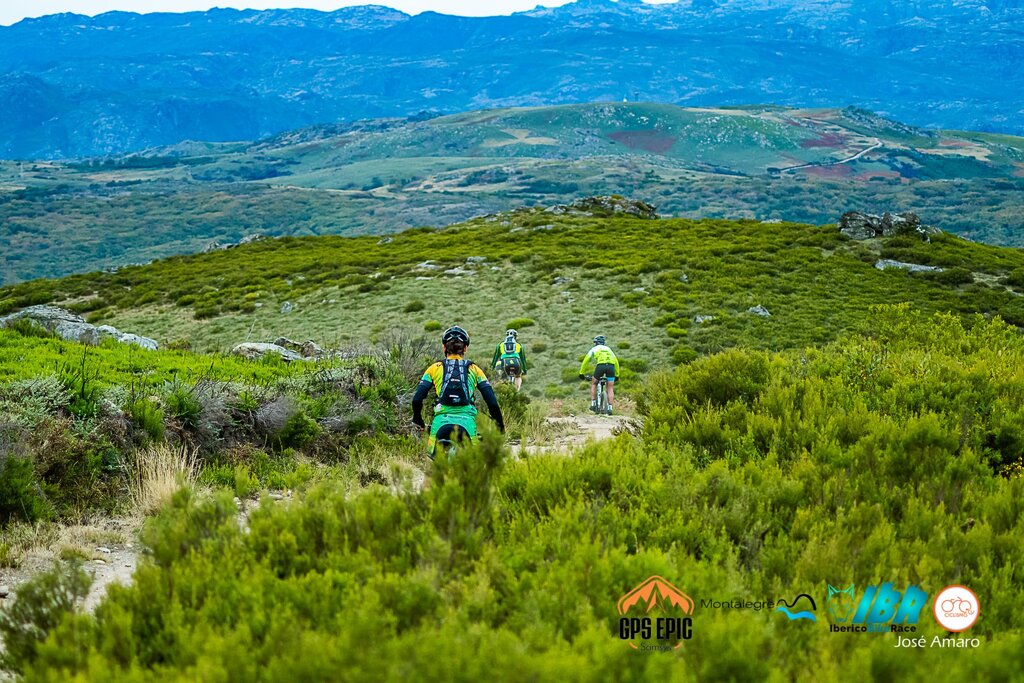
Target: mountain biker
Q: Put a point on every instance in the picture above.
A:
(455, 380)
(510, 358)
(605, 365)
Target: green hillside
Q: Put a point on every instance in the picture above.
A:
(380, 176)
(869, 423)
(641, 282)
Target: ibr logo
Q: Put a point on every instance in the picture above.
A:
(881, 608)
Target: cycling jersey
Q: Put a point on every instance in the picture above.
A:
(475, 377)
(599, 355)
(500, 354)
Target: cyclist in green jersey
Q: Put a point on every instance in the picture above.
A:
(510, 358)
(455, 380)
(606, 365)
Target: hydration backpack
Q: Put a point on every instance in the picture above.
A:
(455, 391)
(510, 346)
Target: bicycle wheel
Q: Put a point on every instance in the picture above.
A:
(602, 398)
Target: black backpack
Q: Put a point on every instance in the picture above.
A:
(455, 391)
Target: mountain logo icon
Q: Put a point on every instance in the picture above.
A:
(654, 594)
(655, 616)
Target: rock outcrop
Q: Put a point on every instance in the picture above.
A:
(883, 264)
(607, 205)
(257, 350)
(863, 226)
(73, 327)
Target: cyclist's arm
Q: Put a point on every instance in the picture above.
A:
(615, 361)
(487, 391)
(417, 402)
(586, 362)
(522, 357)
(497, 355)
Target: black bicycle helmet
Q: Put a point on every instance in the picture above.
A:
(599, 340)
(455, 333)
(511, 333)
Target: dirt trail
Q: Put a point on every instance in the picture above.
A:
(579, 429)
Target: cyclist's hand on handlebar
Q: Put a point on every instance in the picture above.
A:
(583, 377)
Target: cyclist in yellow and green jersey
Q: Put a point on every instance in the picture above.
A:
(606, 365)
(455, 380)
(510, 358)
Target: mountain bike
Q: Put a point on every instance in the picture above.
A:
(602, 395)
(447, 440)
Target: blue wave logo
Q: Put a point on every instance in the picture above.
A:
(805, 614)
(799, 615)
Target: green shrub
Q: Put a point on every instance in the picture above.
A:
(432, 326)
(519, 323)
(538, 347)
(147, 415)
(21, 494)
(184, 406)
(297, 432)
(83, 387)
(414, 306)
(42, 602)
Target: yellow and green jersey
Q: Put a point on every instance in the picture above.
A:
(475, 377)
(500, 353)
(599, 355)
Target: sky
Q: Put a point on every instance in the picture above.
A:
(12, 11)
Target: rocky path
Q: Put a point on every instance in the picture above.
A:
(577, 430)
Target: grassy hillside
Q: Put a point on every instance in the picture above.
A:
(641, 282)
(379, 176)
(867, 425)
(758, 476)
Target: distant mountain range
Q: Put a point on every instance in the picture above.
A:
(73, 86)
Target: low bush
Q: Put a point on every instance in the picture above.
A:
(41, 604)
(519, 323)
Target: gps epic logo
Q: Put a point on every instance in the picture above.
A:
(655, 616)
(881, 608)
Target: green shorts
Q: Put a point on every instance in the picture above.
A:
(446, 426)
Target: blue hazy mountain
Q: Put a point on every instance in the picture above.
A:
(71, 85)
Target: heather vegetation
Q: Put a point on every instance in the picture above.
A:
(880, 457)
(802, 418)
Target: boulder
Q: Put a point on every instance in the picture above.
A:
(883, 264)
(759, 310)
(862, 226)
(72, 327)
(287, 307)
(306, 349)
(257, 350)
(703, 318)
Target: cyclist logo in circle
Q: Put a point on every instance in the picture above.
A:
(956, 608)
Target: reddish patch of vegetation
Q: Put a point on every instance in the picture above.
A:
(653, 141)
(959, 144)
(830, 140)
(870, 175)
(837, 171)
